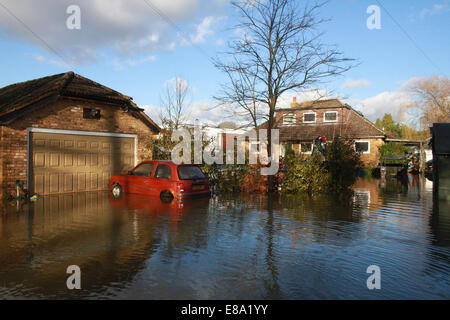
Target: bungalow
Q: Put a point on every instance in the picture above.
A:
(66, 133)
(303, 122)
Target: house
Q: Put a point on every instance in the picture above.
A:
(66, 133)
(302, 123)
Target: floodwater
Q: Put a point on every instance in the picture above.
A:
(230, 247)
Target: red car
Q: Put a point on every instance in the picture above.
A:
(161, 178)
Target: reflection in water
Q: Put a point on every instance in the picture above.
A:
(230, 247)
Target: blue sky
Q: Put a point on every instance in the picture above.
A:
(127, 46)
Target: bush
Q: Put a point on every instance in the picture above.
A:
(392, 149)
(226, 177)
(313, 176)
(343, 163)
(308, 176)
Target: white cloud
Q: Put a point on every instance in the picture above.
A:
(435, 9)
(153, 112)
(385, 102)
(202, 110)
(200, 32)
(121, 64)
(129, 27)
(44, 60)
(204, 29)
(351, 84)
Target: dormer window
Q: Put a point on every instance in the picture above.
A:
(309, 117)
(289, 119)
(330, 116)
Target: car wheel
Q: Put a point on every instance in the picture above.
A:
(116, 191)
(166, 196)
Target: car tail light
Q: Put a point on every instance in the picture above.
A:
(180, 187)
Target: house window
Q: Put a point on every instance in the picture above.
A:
(330, 116)
(91, 113)
(309, 117)
(362, 147)
(289, 119)
(306, 148)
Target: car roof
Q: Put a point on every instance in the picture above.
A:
(170, 162)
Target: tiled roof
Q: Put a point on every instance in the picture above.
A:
(19, 96)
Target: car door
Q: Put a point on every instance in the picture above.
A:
(140, 180)
(162, 177)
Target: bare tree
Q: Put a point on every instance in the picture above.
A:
(175, 101)
(430, 100)
(240, 93)
(279, 51)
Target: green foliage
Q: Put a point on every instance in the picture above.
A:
(343, 163)
(389, 125)
(392, 149)
(289, 151)
(226, 178)
(162, 147)
(313, 176)
(308, 176)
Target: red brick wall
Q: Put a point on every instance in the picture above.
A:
(66, 114)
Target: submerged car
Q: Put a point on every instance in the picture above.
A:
(161, 178)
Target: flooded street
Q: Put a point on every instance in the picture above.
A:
(241, 247)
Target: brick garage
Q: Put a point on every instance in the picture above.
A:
(68, 111)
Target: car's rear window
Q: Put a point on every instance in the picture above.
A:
(190, 173)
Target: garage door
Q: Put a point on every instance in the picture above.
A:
(62, 163)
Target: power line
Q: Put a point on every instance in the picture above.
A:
(410, 38)
(37, 36)
(174, 25)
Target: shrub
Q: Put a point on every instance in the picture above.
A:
(343, 163)
(314, 176)
(226, 177)
(301, 175)
(392, 149)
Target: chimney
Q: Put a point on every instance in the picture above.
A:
(294, 102)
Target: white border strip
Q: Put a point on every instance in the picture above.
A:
(83, 133)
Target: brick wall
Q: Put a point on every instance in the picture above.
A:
(66, 114)
(372, 159)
